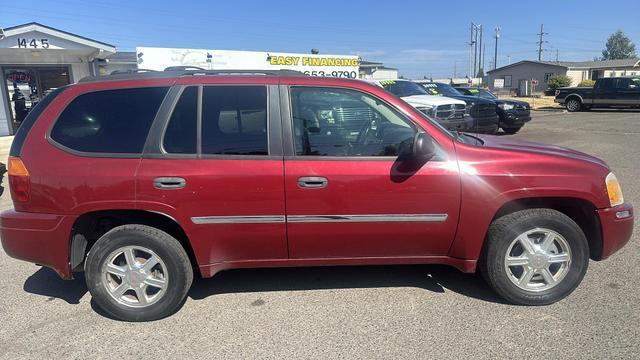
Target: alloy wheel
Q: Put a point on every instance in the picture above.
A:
(538, 260)
(135, 276)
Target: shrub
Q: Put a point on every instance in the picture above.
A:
(558, 81)
(587, 83)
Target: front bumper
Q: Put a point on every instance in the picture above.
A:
(617, 227)
(456, 124)
(515, 118)
(38, 238)
(484, 124)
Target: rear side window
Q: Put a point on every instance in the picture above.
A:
(182, 131)
(110, 121)
(234, 120)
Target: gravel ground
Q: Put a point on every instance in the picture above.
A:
(355, 312)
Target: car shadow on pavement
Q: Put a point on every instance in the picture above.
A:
(433, 278)
(47, 283)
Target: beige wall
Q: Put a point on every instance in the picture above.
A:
(577, 76)
(526, 71)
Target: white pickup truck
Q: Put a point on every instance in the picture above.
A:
(450, 113)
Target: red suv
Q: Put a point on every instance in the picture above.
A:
(140, 180)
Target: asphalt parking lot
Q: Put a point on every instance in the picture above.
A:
(355, 312)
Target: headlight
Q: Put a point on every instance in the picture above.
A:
(505, 106)
(614, 190)
(427, 110)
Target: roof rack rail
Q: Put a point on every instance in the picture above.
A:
(183, 68)
(131, 71)
(151, 74)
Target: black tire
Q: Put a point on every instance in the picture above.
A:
(167, 248)
(511, 131)
(573, 104)
(506, 229)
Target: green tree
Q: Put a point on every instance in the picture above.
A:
(619, 46)
(558, 81)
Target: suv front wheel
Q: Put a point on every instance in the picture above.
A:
(138, 273)
(534, 256)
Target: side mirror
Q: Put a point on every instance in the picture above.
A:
(423, 146)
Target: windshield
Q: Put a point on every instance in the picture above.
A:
(440, 89)
(403, 88)
(481, 93)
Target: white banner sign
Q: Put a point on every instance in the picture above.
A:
(498, 83)
(316, 65)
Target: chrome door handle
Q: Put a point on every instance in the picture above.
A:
(169, 183)
(313, 182)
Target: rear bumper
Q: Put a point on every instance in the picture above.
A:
(617, 227)
(38, 238)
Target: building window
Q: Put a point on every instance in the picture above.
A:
(507, 81)
(548, 76)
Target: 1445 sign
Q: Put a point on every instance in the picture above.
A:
(24, 43)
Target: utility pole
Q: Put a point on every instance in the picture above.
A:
(557, 56)
(475, 52)
(541, 42)
(455, 68)
(471, 51)
(481, 58)
(495, 54)
(484, 56)
(509, 59)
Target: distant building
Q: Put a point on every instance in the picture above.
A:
(513, 76)
(376, 71)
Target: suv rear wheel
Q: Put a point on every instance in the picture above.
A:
(534, 256)
(138, 273)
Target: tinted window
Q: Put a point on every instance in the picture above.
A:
(234, 120)
(180, 136)
(340, 122)
(112, 121)
(628, 83)
(606, 84)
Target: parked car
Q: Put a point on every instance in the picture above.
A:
(482, 112)
(513, 114)
(142, 180)
(450, 113)
(607, 92)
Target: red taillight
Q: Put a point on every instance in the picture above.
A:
(18, 180)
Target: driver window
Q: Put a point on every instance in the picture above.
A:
(342, 122)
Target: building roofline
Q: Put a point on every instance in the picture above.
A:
(7, 32)
(526, 61)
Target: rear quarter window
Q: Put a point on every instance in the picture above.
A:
(109, 121)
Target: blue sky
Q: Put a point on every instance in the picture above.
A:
(421, 38)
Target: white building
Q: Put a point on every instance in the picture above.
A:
(35, 59)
